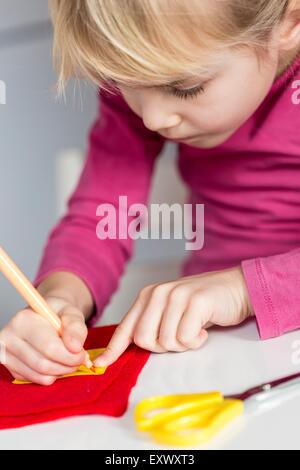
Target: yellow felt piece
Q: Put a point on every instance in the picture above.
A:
(82, 370)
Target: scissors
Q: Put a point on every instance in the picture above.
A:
(194, 419)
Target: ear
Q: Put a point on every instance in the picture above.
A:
(289, 30)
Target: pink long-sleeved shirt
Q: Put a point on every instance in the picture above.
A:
(250, 186)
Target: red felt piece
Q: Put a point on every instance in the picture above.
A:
(108, 394)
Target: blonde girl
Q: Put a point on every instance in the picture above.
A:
(218, 77)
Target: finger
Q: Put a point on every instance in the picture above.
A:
(190, 329)
(20, 369)
(18, 377)
(176, 306)
(148, 326)
(123, 335)
(74, 330)
(36, 361)
(43, 338)
(119, 342)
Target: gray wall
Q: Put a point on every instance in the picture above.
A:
(33, 128)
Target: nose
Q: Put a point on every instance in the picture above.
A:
(156, 119)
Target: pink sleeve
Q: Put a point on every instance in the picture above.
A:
(274, 288)
(120, 161)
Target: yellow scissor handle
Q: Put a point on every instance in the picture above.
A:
(156, 411)
(199, 427)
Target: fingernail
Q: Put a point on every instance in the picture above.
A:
(88, 362)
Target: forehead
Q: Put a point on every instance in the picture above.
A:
(162, 42)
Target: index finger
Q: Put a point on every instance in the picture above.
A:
(122, 336)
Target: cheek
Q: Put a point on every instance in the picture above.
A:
(214, 117)
(232, 101)
(247, 97)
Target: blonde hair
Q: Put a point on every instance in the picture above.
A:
(138, 42)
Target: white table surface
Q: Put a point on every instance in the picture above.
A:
(233, 360)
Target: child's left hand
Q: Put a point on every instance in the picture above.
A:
(173, 316)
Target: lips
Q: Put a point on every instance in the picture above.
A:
(180, 138)
(183, 139)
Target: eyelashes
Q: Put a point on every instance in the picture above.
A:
(186, 94)
(181, 93)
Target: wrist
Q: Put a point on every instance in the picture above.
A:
(247, 305)
(69, 288)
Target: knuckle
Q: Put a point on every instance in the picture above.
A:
(184, 338)
(151, 286)
(144, 292)
(18, 320)
(159, 290)
(178, 293)
(198, 300)
(42, 366)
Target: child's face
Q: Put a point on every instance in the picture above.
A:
(210, 116)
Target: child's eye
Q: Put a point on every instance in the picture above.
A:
(186, 93)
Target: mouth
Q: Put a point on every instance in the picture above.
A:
(179, 139)
(186, 139)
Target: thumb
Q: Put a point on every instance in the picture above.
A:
(74, 330)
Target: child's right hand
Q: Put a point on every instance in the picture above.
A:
(33, 350)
